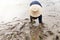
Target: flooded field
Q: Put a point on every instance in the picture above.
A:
(13, 10)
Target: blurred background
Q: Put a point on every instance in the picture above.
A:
(18, 8)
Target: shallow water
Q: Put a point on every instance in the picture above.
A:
(12, 9)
